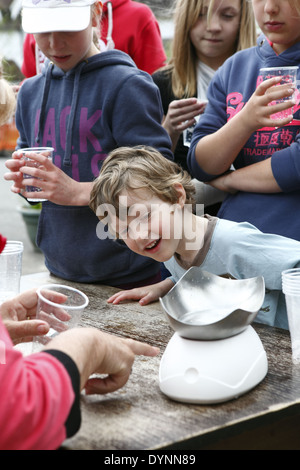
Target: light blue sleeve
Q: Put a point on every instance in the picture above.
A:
(175, 270)
(244, 252)
(241, 250)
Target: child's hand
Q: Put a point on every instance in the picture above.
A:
(258, 111)
(145, 295)
(54, 184)
(181, 115)
(14, 164)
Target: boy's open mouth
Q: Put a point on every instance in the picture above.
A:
(152, 244)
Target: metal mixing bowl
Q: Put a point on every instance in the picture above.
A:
(208, 307)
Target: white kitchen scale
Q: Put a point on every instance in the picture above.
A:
(196, 371)
(215, 355)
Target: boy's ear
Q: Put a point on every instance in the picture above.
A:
(180, 194)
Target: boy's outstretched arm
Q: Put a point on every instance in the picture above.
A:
(145, 295)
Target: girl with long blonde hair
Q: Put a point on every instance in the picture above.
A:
(206, 33)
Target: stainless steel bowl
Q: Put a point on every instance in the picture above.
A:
(208, 307)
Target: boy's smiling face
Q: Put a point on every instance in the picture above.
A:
(148, 225)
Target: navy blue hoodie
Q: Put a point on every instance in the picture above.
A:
(101, 104)
(229, 90)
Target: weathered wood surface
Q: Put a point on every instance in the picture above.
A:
(139, 416)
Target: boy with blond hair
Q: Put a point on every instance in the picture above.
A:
(147, 201)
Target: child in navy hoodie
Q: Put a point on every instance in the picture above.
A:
(126, 25)
(237, 128)
(84, 104)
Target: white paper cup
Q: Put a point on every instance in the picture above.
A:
(10, 270)
(291, 289)
(48, 152)
(59, 316)
(289, 75)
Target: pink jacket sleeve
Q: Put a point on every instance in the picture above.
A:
(36, 397)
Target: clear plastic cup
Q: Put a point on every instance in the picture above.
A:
(288, 75)
(48, 152)
(60, 316)
(10, 270)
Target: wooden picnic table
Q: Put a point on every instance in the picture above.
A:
(140, 417)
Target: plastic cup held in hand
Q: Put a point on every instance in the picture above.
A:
(61, 307)
(288, 75)
(47, 152)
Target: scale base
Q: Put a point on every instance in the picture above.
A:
(207, 372)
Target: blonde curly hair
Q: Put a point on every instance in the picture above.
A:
(7, 100)
(140, 167)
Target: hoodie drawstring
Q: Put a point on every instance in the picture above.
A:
(109, 40)
(44, 101)
(67, 157)
(69, 134)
